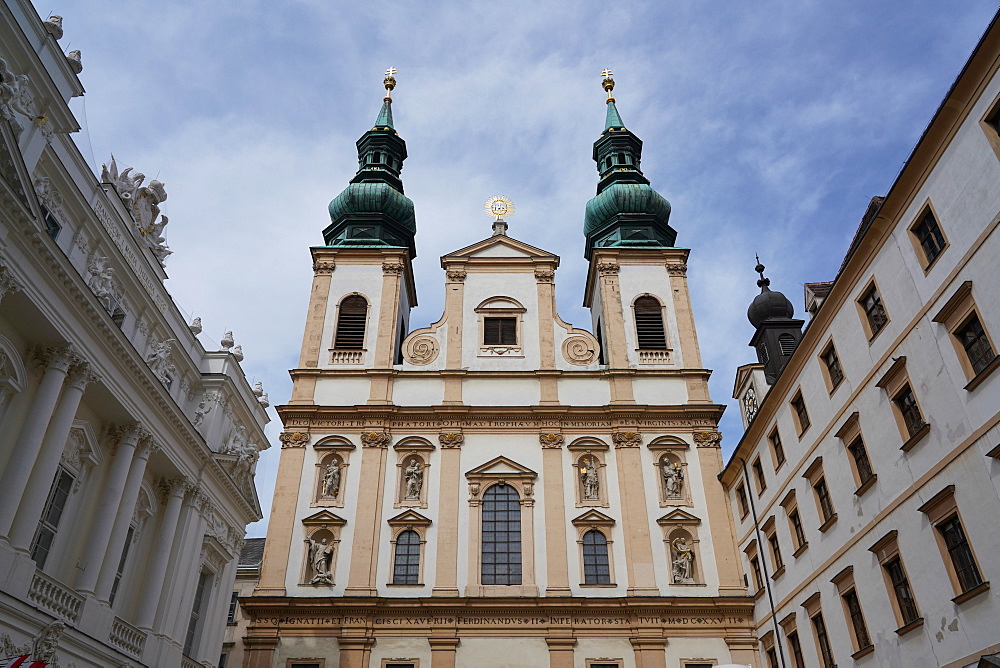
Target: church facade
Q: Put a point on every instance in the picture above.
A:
(499, 488)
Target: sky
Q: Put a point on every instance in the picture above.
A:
(768, 125)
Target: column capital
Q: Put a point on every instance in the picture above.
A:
(80, 375)
(7, 281)
(174, 486)
(451, 439)
(626, 439)
(545, 274)
(129, 433)
(676, 269)
(148, 447)
(551, 440)
(708, 439)
(375, 439)
(324, 267)
(60, 357)
(608, 268)
(392, 268)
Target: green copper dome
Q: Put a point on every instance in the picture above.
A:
(375, 197)
(624, 198)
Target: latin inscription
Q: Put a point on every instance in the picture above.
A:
(499, 424)
(504, 621)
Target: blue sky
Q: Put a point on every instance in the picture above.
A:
(768, 125)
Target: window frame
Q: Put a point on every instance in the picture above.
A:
(335, 348)
(941, 509)
(850, 435)
(789, 625)
(742, 500)
(758, 473)
(956, 313)
(502, 307)
(44, 524)
(800, 413)
(821, 494)
(829, 360)
(886, 550)
(660, 311)
(777, 448)
(896, 382)
(857, 627)
(990, 124)
(770, 531)
(868, 322)
(797, 530)
(927, 210)
(408, 520)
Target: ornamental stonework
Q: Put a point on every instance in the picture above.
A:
(627, 439)
(580, 349)
(421, 350)
(551, 440)
(456, 275)
(677, 269)
(608, 268)
(451, 439)
(324, 267)
(293, 439)
(392, 268)
(375, 439)
(545, 275)
(708, 439)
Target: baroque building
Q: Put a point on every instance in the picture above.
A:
(499, 487)
(127, 450)
(864, 488)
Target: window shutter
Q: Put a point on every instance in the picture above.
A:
(649, 324)
(351, 324)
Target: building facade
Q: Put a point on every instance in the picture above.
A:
(499, 488)
(864, 489)
(127, 450)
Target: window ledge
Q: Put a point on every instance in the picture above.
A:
(803, 432)
(972, 593)
(833, 388)
(757, 594)
(871, 339)
(981, 376)
(916, 438)
(866, 485)
(829, 523)
(688, 584)
(802, 548)
(778, 573)
(864, 651)
(592, 586)
(393, 584)
(915, 624)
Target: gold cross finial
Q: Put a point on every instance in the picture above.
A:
(389, 82)
(608, 83)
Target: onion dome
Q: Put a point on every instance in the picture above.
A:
(372, 210)
(768, 305)
(626, 212)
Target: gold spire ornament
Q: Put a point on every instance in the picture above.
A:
(389, 82)
(608, 83)
(499, 206)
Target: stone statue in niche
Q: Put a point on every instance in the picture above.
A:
(320, 556)
(673, 478)
(414, 479)
(682, 561)
(591, 483)
(331, 479)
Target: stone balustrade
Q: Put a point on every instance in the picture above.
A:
(189, 663)
(656, 357)
(127, 638)
(55, 597)
(347, 356)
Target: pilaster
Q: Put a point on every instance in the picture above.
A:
(368, 526)
(556, 558)
(631, 484)
(709, 444)
(283, 511)
(446, 572)
(614, 327)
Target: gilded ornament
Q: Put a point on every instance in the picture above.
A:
(627, 439)
(708, 439)
(293, 439)
(375, 439)
(451, 439)
(551, 440)
(499, 206)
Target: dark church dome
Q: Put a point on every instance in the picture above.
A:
(768, 304)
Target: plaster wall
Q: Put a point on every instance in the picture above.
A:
(653, 280)
(347, 279)
(342, 391)
(420, 391)
(583, 391)
(480, 286)
(498, 391)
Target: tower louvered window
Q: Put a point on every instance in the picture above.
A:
(649, 324)
(351, 324)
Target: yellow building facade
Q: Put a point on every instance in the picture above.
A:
(499, 488)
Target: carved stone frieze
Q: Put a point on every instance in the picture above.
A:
(421, 350)
(608, 268)
(293, 439)
(708, 439)
(160, 361)
(678, 269)
(626, 439)
(451, 439)
(143, 203)
(375, 439)
(551, 440)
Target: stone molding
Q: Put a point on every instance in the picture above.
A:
(293, 439)
(551, 440)
(608, 268)
(708, 439)
(626, 439)
(375, 439)
(421, 350)
(678, 269)
(451, 439)
(324, 267)
(456, 275)
(545, 275)
(392, 268)
(7, 281)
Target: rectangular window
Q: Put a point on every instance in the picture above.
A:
(853, 606)
(796, 521)
(962, 559)
(834, 373)
(758, 578)
(823, 642)
(196, 613)
(928, 235)
(795, 648)
(772, 658)
(52, 226)
(758, 474)
(234, 604)
(500, 331)
(777, 448)
(772, 540)
(801, 415)
(120, 573)
(741, 498)
(51, 514)
(823, 499)
(906, 404)
(875, 315)
(860, 456)
(977, 346)
(901, 588)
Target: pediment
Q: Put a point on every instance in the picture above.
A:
(743, 376)
(500, 246)
(324, 518)
(409, 518)
(501, 467)
(678, 516)
(593, 517)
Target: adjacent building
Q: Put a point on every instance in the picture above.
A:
(127, 450)
(501, 486)
(865, 488)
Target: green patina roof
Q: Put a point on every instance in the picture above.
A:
(627, 198)
(374, 197)
(384, 119)
(614, 119)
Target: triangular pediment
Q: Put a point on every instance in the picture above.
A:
(593, 517)
(678, 516)
(501, 467)
(323, 518)
(500, 246)
(743, 376)
(409, 518)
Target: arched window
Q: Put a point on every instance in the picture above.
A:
(595, 558)
(649, 324)
(501, 536)
(406, 568)
(351, 324)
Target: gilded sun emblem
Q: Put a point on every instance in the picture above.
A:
(499, 206)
